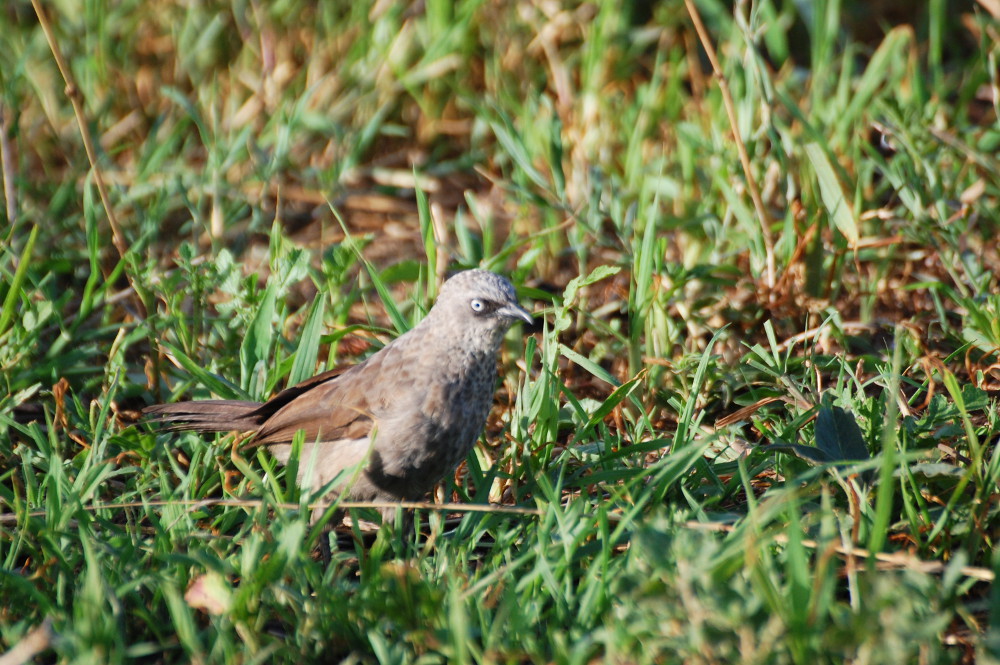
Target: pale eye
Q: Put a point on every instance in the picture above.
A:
(477, 305)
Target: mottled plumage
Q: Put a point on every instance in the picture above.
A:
(419, 403)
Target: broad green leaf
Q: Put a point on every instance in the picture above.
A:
(832, 193)
(588, 365)
(14, 293)
(304, 365)
(838, 435)
(256, 345)
(514, 146)
(215, 383)
(426, 232)
(563, 317)
(614, 399)
(805, 453)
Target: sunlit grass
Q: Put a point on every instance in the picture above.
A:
(714, 469)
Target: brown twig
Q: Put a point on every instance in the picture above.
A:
(13, 518)
(7, 160)
(727, 99)
(76, 99)
(885, 559)
(37, 640)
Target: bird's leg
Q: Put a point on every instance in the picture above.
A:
(328, 529)
(402, 520)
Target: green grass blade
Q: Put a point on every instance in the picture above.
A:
(307, 354)
(10, 302)
(832, 193)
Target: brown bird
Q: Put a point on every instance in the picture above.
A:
(409, 413)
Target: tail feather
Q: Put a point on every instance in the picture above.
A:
(209, 415)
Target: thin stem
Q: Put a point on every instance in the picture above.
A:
(727, 99)
(76, 99)
(7, 160)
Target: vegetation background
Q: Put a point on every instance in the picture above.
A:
(758, 425)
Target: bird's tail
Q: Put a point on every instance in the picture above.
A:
(208, 415)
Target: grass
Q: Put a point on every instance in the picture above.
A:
(713, 462)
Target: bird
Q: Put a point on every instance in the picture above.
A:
(390, 428)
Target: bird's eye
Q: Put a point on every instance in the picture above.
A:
(477, 305)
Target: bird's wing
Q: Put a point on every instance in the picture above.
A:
(273, 405)
(336, 405)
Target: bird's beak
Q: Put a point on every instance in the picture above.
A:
(514, 311)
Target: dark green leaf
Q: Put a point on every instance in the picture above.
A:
(838, 435)
(806, 453)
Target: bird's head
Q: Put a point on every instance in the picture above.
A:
(479, 303)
